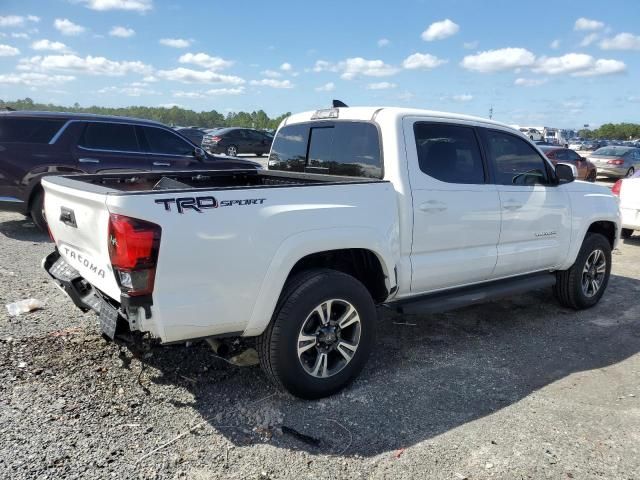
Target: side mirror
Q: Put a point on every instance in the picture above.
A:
(566, 172)
(199, 153)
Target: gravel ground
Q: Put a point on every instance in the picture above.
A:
(513, 389)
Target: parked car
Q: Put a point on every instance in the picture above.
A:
(616, 162)
(408, 212)
(233, 141)
(576, 145)
(37, 144)
(193, 134)
(586, 169)
(628, 190)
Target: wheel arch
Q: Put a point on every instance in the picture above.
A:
(355, 251)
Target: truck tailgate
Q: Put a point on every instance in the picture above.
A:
(79, 223)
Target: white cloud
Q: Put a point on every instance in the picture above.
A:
(210, 92)
(530, 82)
(323, 66)
(578, 65)
(422, 61)
(149, 78)
(187, 75)
(464, 97)
(270, 82)
(122, 32)
(130, 5)
(498, 60)
(470, 45)
(603, 66)
(586, 24)
(286, 67)
(405, 96)
(22, 35)
(354, 67)
(440, 30)
(555, 44)
(67, 27)
(133, 90)
(8, 51)
(90, 65)
(50, 46)
(205, 61)
(622, 41)
(32, 79)
(383, 42)
(175, 42)
(381, 86)
(271, 73)
(17, 20)
(589, 39)
(327, 87)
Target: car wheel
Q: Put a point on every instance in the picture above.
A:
(37, 210)
(592, 176)
(582, 285)
(626, 233)
(320, 335)
(630, 172)
(232, 150)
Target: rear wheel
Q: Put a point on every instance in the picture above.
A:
(626, 233)
(582, 285)
(592, 176)
(321, 334)
(37, 210)
(232, 150)
(630, 172)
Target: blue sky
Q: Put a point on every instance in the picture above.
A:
(560, 63)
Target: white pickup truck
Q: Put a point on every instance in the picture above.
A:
(414, 210)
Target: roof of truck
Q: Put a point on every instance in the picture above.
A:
(367, 113)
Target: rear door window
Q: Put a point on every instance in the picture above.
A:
(449, 153)
(333, 148)
(120, 137)
(31, 130)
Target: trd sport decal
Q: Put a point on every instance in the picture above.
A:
(199, 204)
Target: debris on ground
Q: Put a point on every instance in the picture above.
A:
(24, 306)
(248, 358)
(308, 439)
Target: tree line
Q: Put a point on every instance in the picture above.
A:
(169, 116)
(613, 131)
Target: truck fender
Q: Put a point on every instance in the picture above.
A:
(298, 246)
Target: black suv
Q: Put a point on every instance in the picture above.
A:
(36, 144)
(232, 141)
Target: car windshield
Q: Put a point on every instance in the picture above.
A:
(611, 151)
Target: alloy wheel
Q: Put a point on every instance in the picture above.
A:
(593, 273)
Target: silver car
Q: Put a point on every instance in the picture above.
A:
(616, 162)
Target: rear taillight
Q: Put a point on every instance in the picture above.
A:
(616, 188)
(215, 139)
(133, 250)
(617, 161)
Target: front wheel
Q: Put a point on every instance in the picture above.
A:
(321, 334)
(37, 211)
(582, 285)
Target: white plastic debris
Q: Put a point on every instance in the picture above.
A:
(24, 306)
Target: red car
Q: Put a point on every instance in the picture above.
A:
(586, 170)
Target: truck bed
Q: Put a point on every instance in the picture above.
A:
(168, 182)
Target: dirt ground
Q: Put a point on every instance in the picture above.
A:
(520, 388)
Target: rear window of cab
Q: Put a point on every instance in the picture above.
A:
(328, 147)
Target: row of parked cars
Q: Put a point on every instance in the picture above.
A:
(230, 141)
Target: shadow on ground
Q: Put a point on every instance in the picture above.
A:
(426, 376)
(23, 229)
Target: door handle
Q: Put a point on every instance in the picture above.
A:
(161, 164)
(511, 205)
(88, 160)
(432, 206)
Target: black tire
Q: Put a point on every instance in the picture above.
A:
(231, 151)
(278, 345)
(630, 172)
(569, 283)
(626, 233)
(37, 210)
